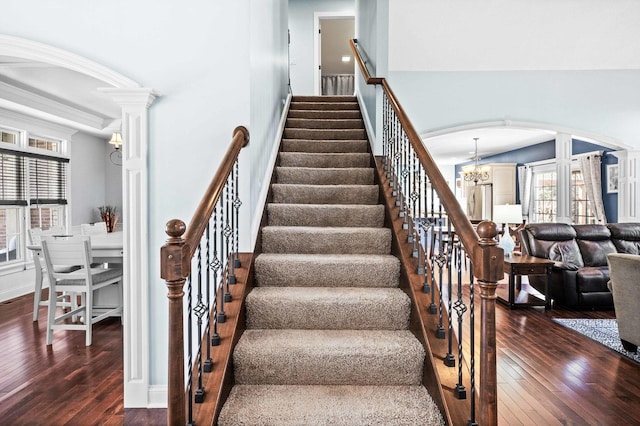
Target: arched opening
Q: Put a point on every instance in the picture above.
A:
(119, 103)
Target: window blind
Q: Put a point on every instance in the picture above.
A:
(12, 185)
(47, 180)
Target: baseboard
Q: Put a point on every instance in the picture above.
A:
(158, 395)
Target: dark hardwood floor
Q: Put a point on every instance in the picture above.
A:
(66, 383)
(547, 375)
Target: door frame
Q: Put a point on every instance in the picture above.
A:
(317, 49)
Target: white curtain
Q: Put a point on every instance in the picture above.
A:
(525, 176)
(590, 168)
(337, 84)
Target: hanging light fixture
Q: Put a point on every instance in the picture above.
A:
(475, 173)
(116, 154)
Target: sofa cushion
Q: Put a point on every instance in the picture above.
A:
(554, 241)
(625, 237)
(592, 279)
(595, 244)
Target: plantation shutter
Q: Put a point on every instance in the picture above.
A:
(12, 175)
(47, 180)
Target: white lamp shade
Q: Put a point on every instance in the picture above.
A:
(507, 213)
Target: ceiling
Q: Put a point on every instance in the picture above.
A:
(458, 146)
(58, 95)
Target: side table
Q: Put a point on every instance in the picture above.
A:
(517, 266)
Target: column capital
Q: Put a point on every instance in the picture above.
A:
(131, 97)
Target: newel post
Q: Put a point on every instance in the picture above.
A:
(490, 259)
(174, 268)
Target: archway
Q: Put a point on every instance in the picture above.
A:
(133, 101)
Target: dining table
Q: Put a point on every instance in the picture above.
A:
(105, 248)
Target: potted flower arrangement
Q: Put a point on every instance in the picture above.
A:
(109, 217)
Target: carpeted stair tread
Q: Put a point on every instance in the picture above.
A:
(338, 134)
(324, 98)
(325, 194)
(350, 215)
(330, 405)
(328, 308)
(315, 114)
(318, 160)
(326, 240)
(327, 270)
(325, 176)
(324, 123)
(328, 357)
(304, 145)
(333, 106)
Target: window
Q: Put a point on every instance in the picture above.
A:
(581, 212)
(545, 196)
(9, 234)
(48, 144)
(9, 136)
(29, 181)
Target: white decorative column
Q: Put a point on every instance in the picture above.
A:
(135, 103)
(628, 185)
(563, 178)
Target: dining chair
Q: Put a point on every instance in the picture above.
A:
(93, 229)
(84, 281)
(35, 239)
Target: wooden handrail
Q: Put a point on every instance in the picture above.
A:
(205, 208)
(482, 248)
(175, 267)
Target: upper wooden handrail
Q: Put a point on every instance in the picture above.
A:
(204, 211)
(459, 219)
(363, 66)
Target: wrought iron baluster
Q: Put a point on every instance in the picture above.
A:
(433, 309)
(200, 310)
(208, 363)
(472, 349)
(236, 205)
(222, 316)
(449, 359)
(460, 309)
(227, 231)
(215, 267)
(189, 377)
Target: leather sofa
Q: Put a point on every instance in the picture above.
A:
(580, 274)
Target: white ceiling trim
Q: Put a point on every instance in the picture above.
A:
(43, 104)
(31, 50)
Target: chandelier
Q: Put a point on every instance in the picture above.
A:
(475, 173)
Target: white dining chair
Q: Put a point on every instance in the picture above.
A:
(84, 281)
(94, 229)
(35, 239)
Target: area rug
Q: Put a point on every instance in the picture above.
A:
(603, 331)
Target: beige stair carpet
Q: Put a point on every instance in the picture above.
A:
(327, 339)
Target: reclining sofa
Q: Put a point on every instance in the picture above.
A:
(580, 274)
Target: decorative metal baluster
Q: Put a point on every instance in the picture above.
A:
(200, 310)
(208, 363)
(414, 196)
(215, 267)
(386, 137)
(222, 316)
(433, 309)
(236, 206)
(227, 231)
(460, 308)
(189, 352)
(232, 227)
(449, 359)
(405, 180)
(442, 261)
(472, 349)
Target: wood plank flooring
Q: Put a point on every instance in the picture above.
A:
(547, 375)
(66, 383)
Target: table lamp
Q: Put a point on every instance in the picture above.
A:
(507, 214)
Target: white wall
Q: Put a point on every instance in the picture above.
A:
(461, 35)
(87, 170)
(301, 24)
(573, 64)
(197, 55)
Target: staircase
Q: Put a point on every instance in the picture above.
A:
(327, 339)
